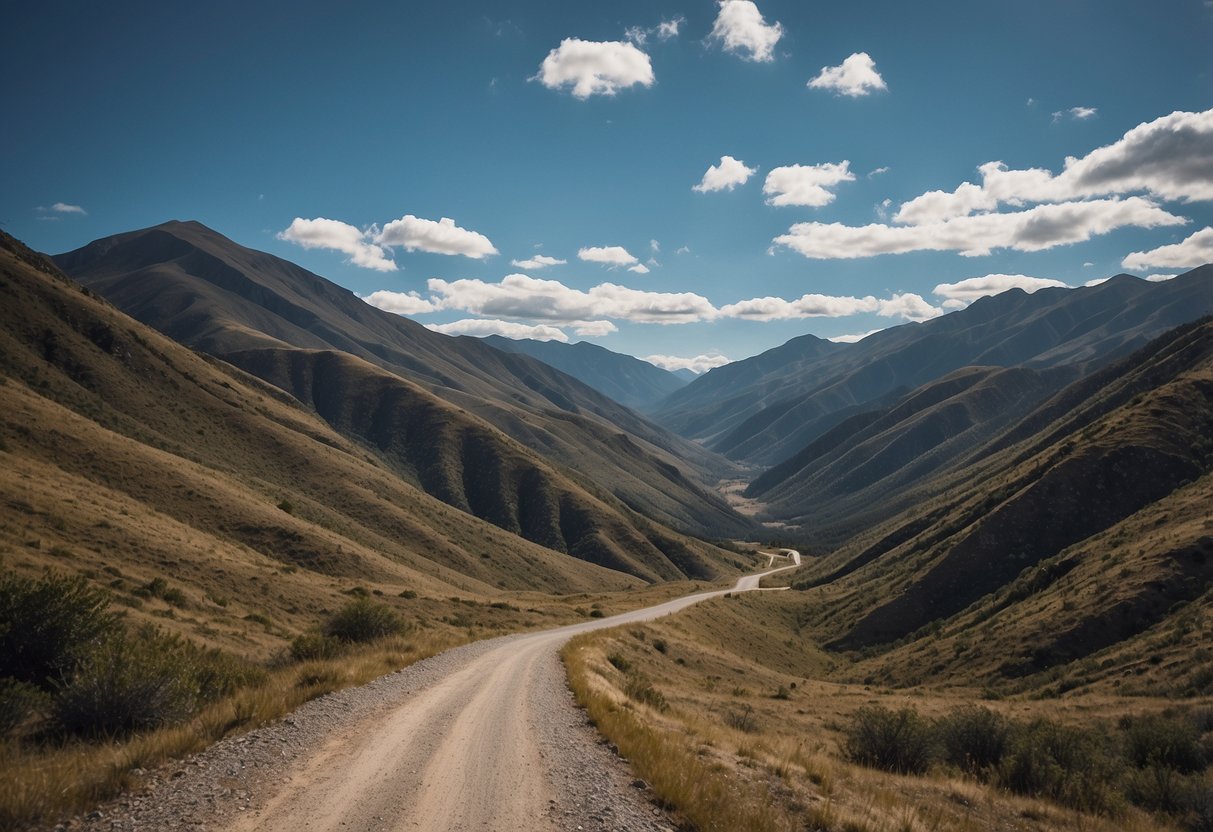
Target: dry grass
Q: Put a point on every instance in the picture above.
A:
(787, 770)
(42, 784)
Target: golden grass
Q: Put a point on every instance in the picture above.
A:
(47, 783)
(787, 771)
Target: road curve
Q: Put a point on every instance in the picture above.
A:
(462, 752)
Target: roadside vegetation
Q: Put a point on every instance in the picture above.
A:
(757, 729)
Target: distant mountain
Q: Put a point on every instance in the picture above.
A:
(686, 375)
(628, 380)
(770, 407)
(1082, 526)
(256, 310)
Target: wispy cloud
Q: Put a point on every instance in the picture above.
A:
(1075, 113)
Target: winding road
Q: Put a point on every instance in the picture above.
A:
(475, 748)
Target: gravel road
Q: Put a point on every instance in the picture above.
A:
(482, 737)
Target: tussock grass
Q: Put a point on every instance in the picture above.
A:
(45, 782)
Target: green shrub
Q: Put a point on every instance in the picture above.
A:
(364, 620)
(310, 646)
(47, 625)
(1160, 788)
(898, 741)
(641, 690)
(1158, 741)
(972, 738)
(19, 703)
(125, 685)
(1072, 766)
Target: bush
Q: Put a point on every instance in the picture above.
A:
(1158, 741)
(364, 620)
(1160, 788)
(619, 662)
(1069, 765)
(127, 684)
(310, 646)
(974, 739)
(641, 690)
(47, 625)
(897, 741)
(742, 720)
(19, 702)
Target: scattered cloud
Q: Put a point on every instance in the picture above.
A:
(806, 184)
(724, 177)
(1169, 158)
(400, 303)
(54, 212)
(480, 327)
(698, 364)
(528, 298)
(595, 68)
(683, 250)
(639, 268)
(873, 174)
(654, 246)
(539, 261)
(65, 208)
(1196, 250)
(665, 30)
(610, 255)
(741, 29)
(854, 77)
(1076, 113)
(972, 288)
(1096, 282)
(853, 338)
(339, 236)
(908, 305)
(882, 209)
(1087, 264)
(1035, 229)
(442, 237)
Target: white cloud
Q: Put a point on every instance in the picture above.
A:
(593, 329)
(1160, 278)
(970, 289)
(1076, 113)
(639, 268)
(539, 261)
(854, 77)
(595, 68)
(400, 303)
(698, 364)
(954, 303)
(876, 172)
(1169, 158)
(610, 255)
(442, 237)
(65, 208)
(667, 29)
(683, 250)
(724, 177)
(1088, 264)
(1096, 282)
(1035, 229)
(654, 246)
(528, 298)
(480, 327)
(1196, 250)
(741, 29)
(908, 305)
(854, 337)
(339, 236)
(806, 184)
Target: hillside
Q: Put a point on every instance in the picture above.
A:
(628, 380)
(211, 294)
(128, 454)
(770, 407)
(1083, 531)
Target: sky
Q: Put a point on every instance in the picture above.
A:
(688, 181)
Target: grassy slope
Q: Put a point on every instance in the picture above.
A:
(214, 295)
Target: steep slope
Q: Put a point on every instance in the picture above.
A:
(628, 380)
(876, 464)
(123, 450)
(767, 408)
(214, 295)
(1108, 484)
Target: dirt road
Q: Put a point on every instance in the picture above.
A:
(476, 748)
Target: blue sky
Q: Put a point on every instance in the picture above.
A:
(250, 116)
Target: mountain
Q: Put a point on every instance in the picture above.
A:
(629, 381)
(686, 375)
(128, 457)
(254, 310)
(1082, 528)
(770, 407)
